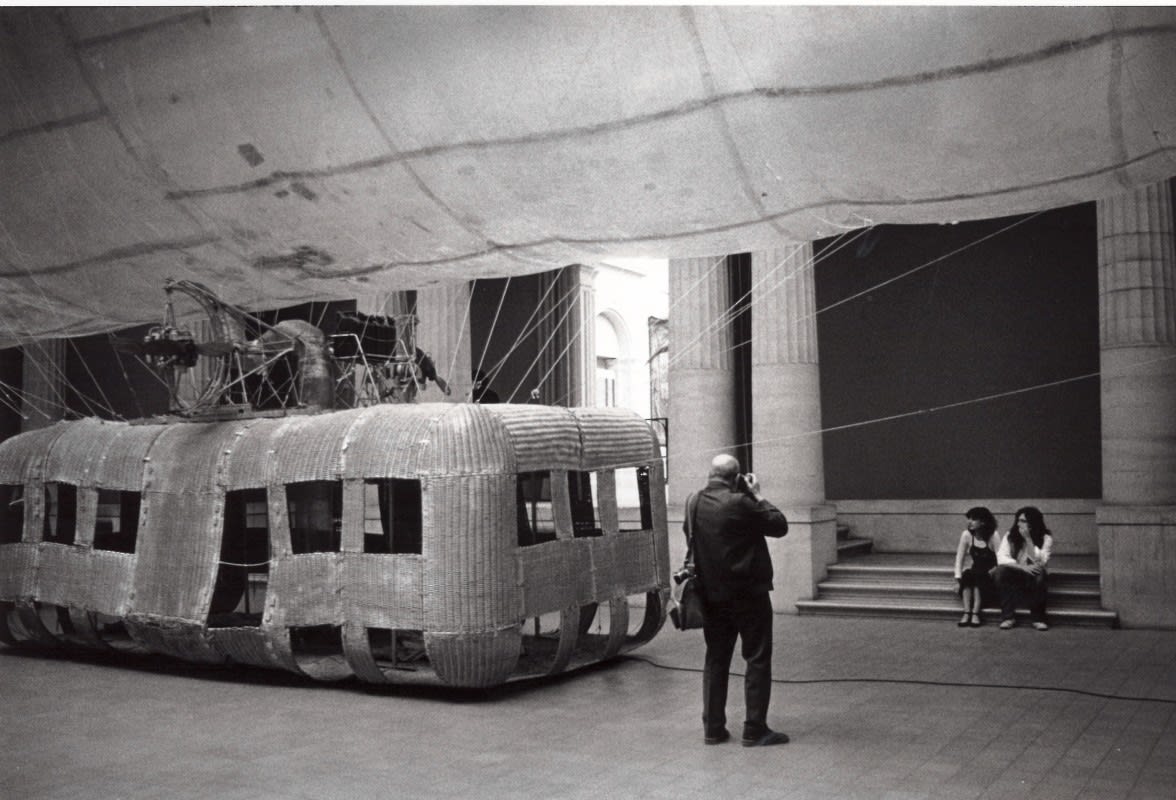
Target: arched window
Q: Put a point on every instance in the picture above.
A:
(609, 356)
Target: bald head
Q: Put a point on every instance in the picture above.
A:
(724, 467)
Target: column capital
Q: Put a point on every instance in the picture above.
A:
(783, 302)
(1137, 268)
(700, 331)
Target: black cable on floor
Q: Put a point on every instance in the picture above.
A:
(951, 684)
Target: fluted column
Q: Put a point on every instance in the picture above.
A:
(43, 384)
(567, 335)
(786, 418)
(1137, 317)
(443, 331)
(785, 378)
(701, 373)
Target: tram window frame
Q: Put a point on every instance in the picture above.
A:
(399, 523)
(301, 498)
(60, 527)
(12, 513)
(533, 496)
(117, 532)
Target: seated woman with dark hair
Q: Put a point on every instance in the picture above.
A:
(1020, 568)
(977, 548)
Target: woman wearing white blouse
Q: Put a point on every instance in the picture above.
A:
(1020, 572)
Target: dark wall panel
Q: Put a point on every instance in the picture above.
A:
(504, 342)
(10, 383)
(998, 309)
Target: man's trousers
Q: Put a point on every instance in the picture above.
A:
(750, 620)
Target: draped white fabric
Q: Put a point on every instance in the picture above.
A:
(285, 154)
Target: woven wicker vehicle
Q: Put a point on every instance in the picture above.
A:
(457, 544)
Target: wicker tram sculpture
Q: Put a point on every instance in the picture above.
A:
(456, 544)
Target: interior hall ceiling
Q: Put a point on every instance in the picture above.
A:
(283, 154)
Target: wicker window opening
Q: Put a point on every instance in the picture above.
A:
(641, 478)
(11, 513)
(315, 511)
(582, 500)
(116, 524)
(61, 513)
(397, 526)
(239, 592)
(535, 512)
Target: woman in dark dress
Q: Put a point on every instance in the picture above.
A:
(975, 556)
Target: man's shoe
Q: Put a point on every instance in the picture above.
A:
(717, 738)
(1040, 626)
(765, 739)
(1008, 623)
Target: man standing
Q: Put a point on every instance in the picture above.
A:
(727, 522)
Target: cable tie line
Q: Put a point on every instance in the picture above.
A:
(917, 682)
(534, 324)
(542, 348)
(735, 309)
(489, 337)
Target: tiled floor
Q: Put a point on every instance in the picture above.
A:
(899, 710)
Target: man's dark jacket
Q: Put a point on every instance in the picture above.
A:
(730, 555)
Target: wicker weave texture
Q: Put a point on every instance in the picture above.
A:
(243, 646)
(76, 453)
(23, 456)
(306, 590)
(177, 556)
(121, 464)
(252, 454)
(383, 591)
(18, 570)
(613, 437)
(469, 577)
(555, 575)
(542, 437)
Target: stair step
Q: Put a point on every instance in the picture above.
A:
(1059, 596)
(865, 583)
(1068, 616)
(922, 574)
(849, 547)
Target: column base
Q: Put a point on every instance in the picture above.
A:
(801, 559)
(1137, 561)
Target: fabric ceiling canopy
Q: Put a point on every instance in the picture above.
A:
(284, 154)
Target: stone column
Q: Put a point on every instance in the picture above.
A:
(567, 335)
(1137, 317)
(43, 384)
(701, 376)
(443, 331)
(786, 422)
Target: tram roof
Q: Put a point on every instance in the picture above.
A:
(409, 440)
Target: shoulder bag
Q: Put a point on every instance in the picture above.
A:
(686, 606)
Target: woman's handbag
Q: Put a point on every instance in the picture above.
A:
(686, 609)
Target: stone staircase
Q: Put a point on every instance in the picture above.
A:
(864, 583)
